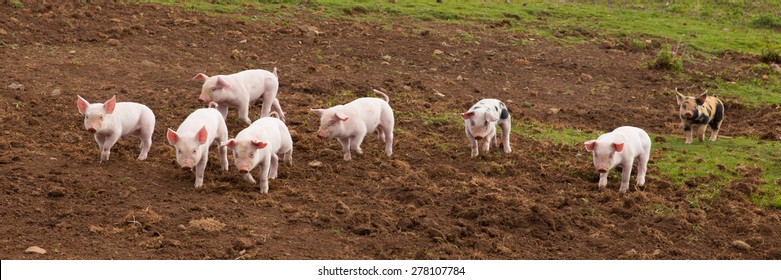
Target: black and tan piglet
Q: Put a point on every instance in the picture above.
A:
(698, 113)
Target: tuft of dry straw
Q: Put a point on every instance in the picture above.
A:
(207, 224)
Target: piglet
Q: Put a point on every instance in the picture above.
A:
(259, 144)
(480, 123)
(111, 120)
(193, 138)
(622, 147)
(240, 90)
(698, 113)
(349, 123)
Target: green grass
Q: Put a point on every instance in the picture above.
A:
(704, 168)
(667, 59)
(771, 54)
(709, 26)
(767, 21)
(16, 4)
(753, 92)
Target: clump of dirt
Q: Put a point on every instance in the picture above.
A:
(207, 225)
(142, 219)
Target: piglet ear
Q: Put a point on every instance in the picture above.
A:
(590, 145)
(318, 112)
(618, 146)
(230, 143)
(200, 77)
(110, 105)
(341, 116)
(679, 97)
(701, 99)
(82, 104)
(258, 144)
(202, 134)
(467, 115)
(221, 83)
(172, 137)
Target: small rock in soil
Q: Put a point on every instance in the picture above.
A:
(775, 67)
(742, 245)
(35, 250)
(56, 191)
(56, 92)
(242, 243)
(171, 243)
(315, 163)
(342, 208)
(16, 86)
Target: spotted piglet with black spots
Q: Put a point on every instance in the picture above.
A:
(699, 113)
(480, 123)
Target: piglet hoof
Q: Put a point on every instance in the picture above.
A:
(142, 157)
(508, 150)
(347, 157)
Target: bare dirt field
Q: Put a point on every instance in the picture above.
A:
(430, 200)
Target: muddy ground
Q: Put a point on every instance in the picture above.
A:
(429, 201)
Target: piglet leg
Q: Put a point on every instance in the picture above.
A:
(506, 127)
(625, 173)
(345, 147)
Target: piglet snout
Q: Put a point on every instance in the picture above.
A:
(92, 130)
(187, 168)
(688, 115)
(201, 100)
(602, 170)
(478, 137)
